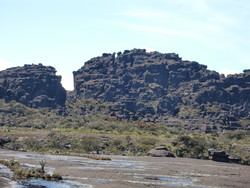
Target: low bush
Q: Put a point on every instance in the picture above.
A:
(238, 135)
(56, 177)
(192, 147)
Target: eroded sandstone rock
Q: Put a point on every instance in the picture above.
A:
(32, 85)
(156, 87)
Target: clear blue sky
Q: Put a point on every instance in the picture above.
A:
(67, 33)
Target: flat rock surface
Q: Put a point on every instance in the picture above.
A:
(123, 171)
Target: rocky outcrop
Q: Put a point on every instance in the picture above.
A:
(162, 88)
(221, 156)
(32, 85)
(161, 151)
(4, 140)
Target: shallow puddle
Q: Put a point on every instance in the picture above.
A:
(82, 179)
(163, 180)
(51, 184)
(169, 184)
(132, 170)
(169, 179)
(5, 171)
(111, 165)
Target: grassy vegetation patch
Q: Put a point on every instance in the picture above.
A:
(78, 131)
(25, 173)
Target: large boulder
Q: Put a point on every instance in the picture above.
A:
(32, 85)
(4, 140)
(161, 151)
(220, 156)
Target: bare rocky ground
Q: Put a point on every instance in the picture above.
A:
(126, 172)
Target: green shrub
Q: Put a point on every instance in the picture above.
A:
(56, 176)
(148, 141)
(31, 144)
(90, 144)
(193, 147)
(238, 134)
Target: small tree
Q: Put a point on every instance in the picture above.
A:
(43, 163)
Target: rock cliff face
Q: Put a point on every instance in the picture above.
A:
(32, 85)
(162, 88)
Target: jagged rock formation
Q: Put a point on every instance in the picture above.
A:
(162, 88)
(32, 85)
